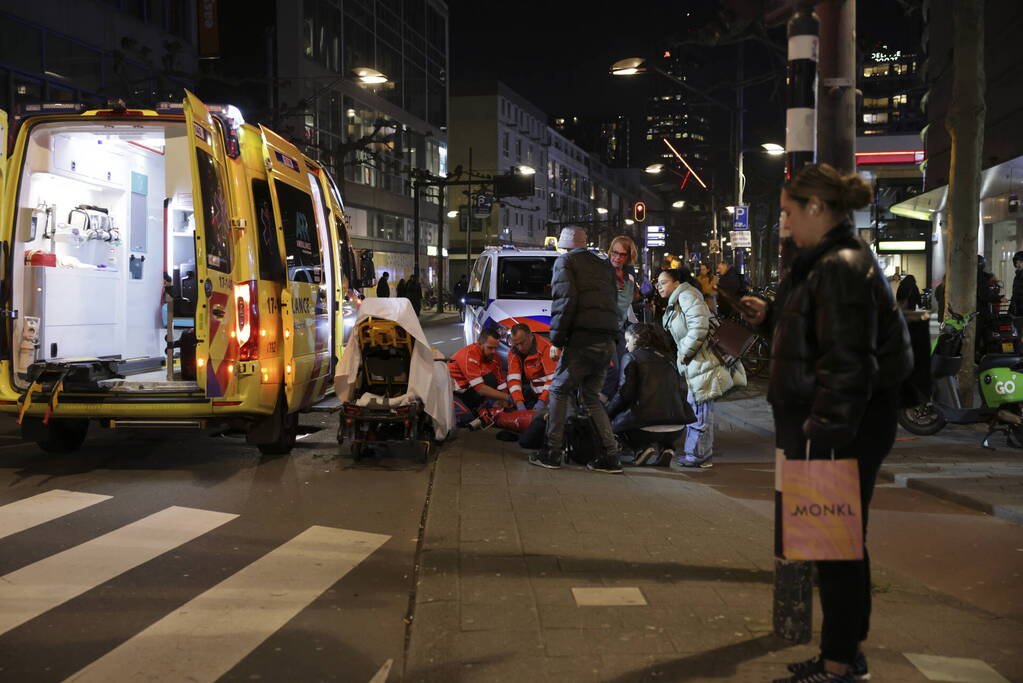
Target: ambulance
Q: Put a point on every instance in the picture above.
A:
(173, 267)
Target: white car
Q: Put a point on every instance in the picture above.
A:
(509, 285)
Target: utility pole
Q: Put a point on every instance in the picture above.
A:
(836, 106)
(441, 261)
(739, 141)
(416, 193)
(793, 589)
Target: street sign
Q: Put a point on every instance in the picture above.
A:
(741, 221)
(654, 230)
(481, 205)
(653, 242)
(741, 238)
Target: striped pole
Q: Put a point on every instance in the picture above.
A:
(793, 588)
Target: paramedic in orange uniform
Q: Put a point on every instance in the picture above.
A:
(530, 368)
(477, 373)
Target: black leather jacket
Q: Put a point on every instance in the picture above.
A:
(651, 393)
(839, 338)
(585, 305)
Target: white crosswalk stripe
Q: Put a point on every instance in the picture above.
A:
(42, 508)
(206, 637)
(30, 591)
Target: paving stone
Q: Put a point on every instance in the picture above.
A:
(516, 616)
(471, 646)
(569, 616)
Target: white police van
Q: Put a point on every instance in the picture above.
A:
(509, 285)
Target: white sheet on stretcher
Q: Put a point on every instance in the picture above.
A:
(429, 379)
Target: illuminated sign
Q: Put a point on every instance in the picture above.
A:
(903, 156)
(886, 56)
(907, 245)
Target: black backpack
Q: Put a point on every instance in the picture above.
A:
(581, 441)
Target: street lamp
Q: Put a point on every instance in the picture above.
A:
(678, 204)
(773, 149)
(525, 170)
(453, 214)
(628, 67)
(369, 76)
(654, 169)
(601, 210)
(629, 221)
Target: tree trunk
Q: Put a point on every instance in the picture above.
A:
(965, 125)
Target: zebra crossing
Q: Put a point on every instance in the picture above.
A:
(203, 638)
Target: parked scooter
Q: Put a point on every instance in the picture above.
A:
(999, 379)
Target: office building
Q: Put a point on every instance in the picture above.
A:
(890, 79)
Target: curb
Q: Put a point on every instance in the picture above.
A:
(926, 485)
(923, 484)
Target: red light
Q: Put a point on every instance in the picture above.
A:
(246, 322)
(639, 212)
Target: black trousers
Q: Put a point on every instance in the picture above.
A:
(844, 586)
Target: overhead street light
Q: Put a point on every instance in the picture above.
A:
(523, 169)
(453, 214)
(678, 204)
(654, 169)
(773, 149)
(601, 210)
(369, 76)
(629, 221)
(628, 67)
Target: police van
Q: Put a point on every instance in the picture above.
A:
(508, 285)
(167, 267)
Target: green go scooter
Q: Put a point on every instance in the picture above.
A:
(999, 379)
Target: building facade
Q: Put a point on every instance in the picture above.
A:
(494, 129)
(92, 52)
(892, 86)
(299, 71)
(671, 115)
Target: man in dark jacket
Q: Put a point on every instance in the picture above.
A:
(1016, 303)
(584, 326)
(414, 293)
(383, 288)
(730, 284)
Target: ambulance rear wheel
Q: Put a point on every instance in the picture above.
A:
(62, 435)
(287, 434)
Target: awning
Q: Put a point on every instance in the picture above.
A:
(997, 181)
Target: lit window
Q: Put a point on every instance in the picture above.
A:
(899, 100)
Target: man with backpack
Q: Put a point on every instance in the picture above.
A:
(584, 326)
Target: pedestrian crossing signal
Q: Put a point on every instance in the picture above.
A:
(639, 212)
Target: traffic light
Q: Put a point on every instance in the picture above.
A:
(514, 184)
(639, 212)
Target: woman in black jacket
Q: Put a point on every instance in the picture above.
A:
(649, 411)
(840, 351)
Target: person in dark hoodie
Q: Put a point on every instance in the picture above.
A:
(650, 410)
(840, 352)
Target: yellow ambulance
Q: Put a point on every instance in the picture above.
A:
(170, 267)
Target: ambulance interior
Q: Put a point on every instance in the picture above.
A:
(91, 248)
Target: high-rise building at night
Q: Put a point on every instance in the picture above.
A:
(671, 114)
(892, 86)
(615, 144)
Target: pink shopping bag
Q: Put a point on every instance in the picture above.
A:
(821, 514)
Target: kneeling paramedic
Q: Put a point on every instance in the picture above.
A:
(530, 368)
(479, 378)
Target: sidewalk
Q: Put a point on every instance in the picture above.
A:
(951, 464)
(533, 575)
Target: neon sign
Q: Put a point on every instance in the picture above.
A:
(886, 56)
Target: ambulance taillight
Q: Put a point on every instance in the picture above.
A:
(247, 320)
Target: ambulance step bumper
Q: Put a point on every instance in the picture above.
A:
(157, 424)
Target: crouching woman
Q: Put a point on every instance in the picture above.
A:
(649, 412)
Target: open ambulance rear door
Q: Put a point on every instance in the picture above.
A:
(306, 296)
(214, 315)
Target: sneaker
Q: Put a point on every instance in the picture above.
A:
(687, 463)
(858, 669)
(608, 463)
(667, 455)
(547, 459)
(813, 671)
(645, 455)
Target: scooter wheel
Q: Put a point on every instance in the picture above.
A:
(922, 420)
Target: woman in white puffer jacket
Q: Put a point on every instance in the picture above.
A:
(687, 320)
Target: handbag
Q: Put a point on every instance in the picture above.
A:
(730, 340)
(821, 514)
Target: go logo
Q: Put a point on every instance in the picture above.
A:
(1007, 387)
